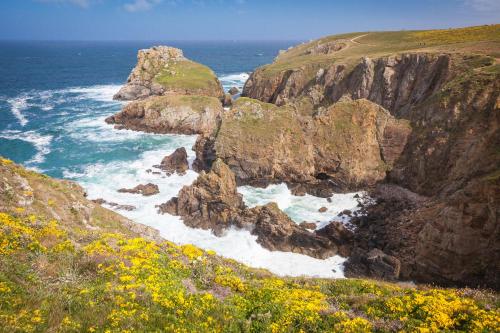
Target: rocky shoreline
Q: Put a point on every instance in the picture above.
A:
(417, 130)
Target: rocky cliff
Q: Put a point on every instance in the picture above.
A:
(445, 84)
(350, 145)
(163, 70)
(182, 114)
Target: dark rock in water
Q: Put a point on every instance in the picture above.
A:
(308, 225)
(297, 189)
(146, 190)
(169, 207)
(99, 201)
(233, 91)
(125, 207)
(339, 235)
(175, 162)
(205, 153)
(329, 199)
(277, 232)
(228, 100)
(347, 212)
(322, 209)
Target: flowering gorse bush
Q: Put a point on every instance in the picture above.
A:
(93, 281)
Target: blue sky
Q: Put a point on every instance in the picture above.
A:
(230, 19)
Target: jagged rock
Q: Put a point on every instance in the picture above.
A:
(175, 162)
(179, 114)
(277, 232)
(211, 202)
(308, 225)
(233, 91)
(146, 190)
(163, 70)
(339, 235)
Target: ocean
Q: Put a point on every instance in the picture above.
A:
(54, 97)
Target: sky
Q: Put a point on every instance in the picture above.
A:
(230, 19)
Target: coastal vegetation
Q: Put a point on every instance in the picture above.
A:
(55, 276)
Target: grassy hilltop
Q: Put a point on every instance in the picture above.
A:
(483, 41)
(68, 265)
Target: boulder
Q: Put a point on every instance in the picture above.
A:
(308, 225)
(375, 264)
(146, 190)
(233, 91)
(323, 210)
(176, 162)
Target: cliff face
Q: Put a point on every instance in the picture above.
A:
(395, 82)
(163, 70)
(348, 145)
(183, 114)
(450, 97)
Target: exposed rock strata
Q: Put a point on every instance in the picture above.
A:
(349, 145)
(179, 114)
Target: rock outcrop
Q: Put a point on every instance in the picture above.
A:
(163, 70)
(176, 162)
(213, 203)
(144, 189)
(233, 91)
(349, 145)
(179, 114)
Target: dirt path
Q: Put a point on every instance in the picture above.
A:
(353, 40)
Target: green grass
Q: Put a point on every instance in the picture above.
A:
(481, 39)
(187, 75)
(196, 102)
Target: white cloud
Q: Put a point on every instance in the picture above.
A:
(140, 5)
(484, 5)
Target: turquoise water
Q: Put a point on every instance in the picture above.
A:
(54, 98)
